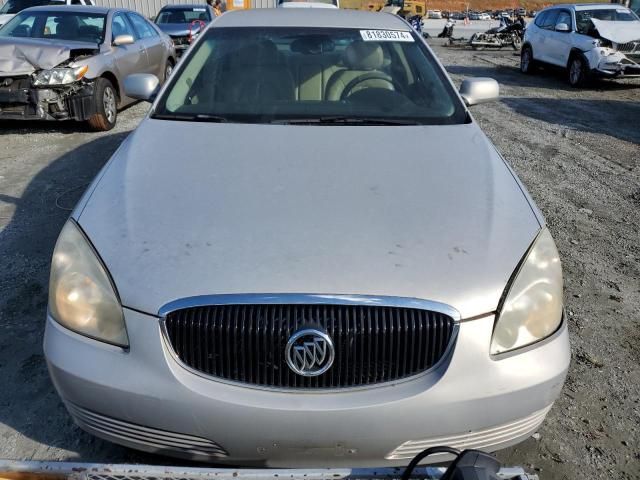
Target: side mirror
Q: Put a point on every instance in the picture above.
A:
(123, 40)
(479, 90)
(562, 27)
(141, 86)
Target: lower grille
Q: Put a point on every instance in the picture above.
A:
(152, 438)
(484, 439)
(247, 343)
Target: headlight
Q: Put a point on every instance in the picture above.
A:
(59, 76)
(81, 295)
(532, 309)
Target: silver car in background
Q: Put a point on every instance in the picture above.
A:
(263, 274)
(69, 62)
(184, 22)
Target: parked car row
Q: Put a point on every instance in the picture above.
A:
(488, 15)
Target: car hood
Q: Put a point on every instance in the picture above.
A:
(22, 56)
(186, 209)
(618, 32)
(177, 29)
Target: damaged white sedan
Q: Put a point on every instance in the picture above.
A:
(69, 63)
(590, 40)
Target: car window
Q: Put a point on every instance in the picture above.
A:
(73, 26)
(549, 21)
(16, 6)
(183, 15)
(564, 17)
(540, 19)
(264, 75)
(142, 27)
(121, 26)
(76, 2)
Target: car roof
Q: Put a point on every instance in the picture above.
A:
(72, 8)
(310, 17)
(587, 6)
(184, 6)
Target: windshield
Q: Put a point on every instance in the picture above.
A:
(263, 75)
(183, 15)
(80, 27)
(583, 18)
(15, 6)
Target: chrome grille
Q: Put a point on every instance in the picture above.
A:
(631, 48)
(246, 343)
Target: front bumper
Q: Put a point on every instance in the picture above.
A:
(614, 64)
(54, 103)
(143, 399)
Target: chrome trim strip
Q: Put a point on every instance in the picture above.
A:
(435, 371)
(308, 298)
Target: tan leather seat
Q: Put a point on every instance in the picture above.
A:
(312, 67)
(363, 60)
(260, 76)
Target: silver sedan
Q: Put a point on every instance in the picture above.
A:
(61, 63)
(308, 254)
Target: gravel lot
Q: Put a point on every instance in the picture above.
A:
(578, 152)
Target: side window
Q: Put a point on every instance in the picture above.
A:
(25, 28)
(143, 29)
(76, 2)
(120, 26)
(540, 18)
(550, 20)
(565, 17)
(51, 27)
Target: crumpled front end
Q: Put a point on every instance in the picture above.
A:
(617, 49)
(45, 80)
(21, 100)
(616, 60)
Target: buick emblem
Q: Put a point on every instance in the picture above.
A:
(309, 352)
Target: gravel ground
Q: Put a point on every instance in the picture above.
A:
(577, 152)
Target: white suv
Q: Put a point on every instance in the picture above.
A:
(587, 40)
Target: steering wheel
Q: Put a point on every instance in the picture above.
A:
(365, 78)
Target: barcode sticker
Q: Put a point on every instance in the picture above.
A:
(386, 36)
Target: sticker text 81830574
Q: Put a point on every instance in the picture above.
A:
(386, 36)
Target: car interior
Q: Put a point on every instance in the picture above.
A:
(302, 71)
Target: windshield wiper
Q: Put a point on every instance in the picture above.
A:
(199, 117)
(346, 120)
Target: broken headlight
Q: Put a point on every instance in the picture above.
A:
(532, 308)
(81, 294)
(59, 76)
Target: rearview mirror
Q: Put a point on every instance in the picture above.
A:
(141, 86)
(562, 27)
(479, 90)
(121, 40)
